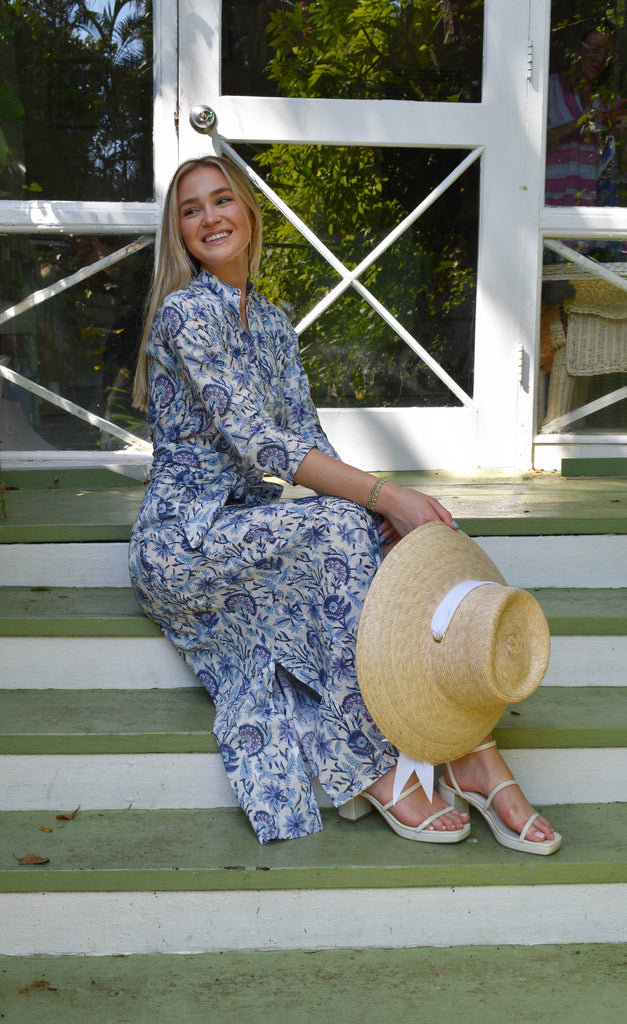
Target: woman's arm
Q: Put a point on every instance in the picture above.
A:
(404, 508)
(555, 136)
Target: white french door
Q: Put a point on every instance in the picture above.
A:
(491, 423)
(489, 418)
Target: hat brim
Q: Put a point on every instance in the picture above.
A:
(437, 701)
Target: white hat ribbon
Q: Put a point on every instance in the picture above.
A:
(448, 605)
(439, 625)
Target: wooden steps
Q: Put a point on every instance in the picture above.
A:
(211, 850)
(481, 985)
(114, 612)
(98, 711)
(180, 720)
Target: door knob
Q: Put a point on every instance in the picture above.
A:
(203, 119)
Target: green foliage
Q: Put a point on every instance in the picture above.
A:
(84, 80)
(11, 107)
(352, 197)
(349, 49)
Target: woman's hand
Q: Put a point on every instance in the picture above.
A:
(406, 510)
(387, 533)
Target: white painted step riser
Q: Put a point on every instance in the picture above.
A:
(49, 782)
(82, 663)
(99, 924)
(573, 561)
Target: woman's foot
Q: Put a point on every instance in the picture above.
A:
(413, 809)
(484, 769)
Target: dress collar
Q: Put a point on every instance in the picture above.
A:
(229, 295)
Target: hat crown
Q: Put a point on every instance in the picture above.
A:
(489, 654)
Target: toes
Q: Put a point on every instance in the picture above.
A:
(451, 822)
(540, 830)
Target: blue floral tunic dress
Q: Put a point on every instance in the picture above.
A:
(260, 596)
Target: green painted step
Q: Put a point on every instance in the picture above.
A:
(216, 850)
(92, 505)
(181, 720)
(478, 985)
(106, 721)
(77, 480)
(65, 515)
(72, 611)
(113, 611)
(594, 467)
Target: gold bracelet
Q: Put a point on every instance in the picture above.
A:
(374, 493)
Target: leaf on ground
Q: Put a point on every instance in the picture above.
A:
(41, 984)
(32, 858)
(44, 829)
(68, 817)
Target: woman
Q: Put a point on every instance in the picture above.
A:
(577, 119)
(260, 596)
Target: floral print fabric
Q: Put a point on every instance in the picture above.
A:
(260, 596)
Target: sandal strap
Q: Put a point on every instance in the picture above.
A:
(432, 818)
(529, 822)
(454, 782)
(406, 792)
(484, 746)
(497, 789)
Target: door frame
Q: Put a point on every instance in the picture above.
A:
(507, 126)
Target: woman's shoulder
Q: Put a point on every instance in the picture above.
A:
(187, 303)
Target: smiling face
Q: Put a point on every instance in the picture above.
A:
(215, 229)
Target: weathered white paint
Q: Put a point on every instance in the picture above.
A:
(113, 781)
(560, 561)
(587, 661)
(65, 565)
(97, 924)
(85, 663)
(550, 450)
(129, 663)
(133, 464)
(159, 781)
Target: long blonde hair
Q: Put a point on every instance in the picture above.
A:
(174, 267)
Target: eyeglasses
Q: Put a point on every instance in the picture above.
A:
(597, 51)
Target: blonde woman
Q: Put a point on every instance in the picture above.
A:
(262, 596)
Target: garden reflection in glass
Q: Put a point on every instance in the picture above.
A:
(76, 115)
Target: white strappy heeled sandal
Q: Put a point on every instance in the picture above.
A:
(460, 798)
(362, 805)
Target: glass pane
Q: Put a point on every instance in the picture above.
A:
(76, 100)
(80, 344)
(353, 49)
(583, 342)
(586, 163)
(351, 198)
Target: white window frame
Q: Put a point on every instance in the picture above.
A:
(508, 125)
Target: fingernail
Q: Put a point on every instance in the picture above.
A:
(456, 525)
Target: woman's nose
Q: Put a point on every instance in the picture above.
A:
(210, 214)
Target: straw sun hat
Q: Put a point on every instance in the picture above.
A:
(436, 699)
